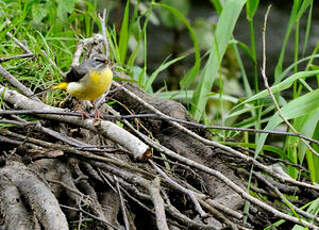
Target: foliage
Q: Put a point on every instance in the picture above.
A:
(55, 26)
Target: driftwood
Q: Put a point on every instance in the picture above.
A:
(149, 172)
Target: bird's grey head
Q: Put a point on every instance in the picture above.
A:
(96, 61)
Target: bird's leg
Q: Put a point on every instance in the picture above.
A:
(97, 112)
(78, 108)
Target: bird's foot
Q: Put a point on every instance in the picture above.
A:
(84, 115)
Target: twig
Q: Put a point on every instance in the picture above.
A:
(97, 38)
(180, 188)
(26, 91)
(227, 181)
(80, 221)
(89, 214)
(184, 219)
(154, 190)
(263, 73)
(24, 47)
(77, 152)
(208, 142)
(167, 118)
(126, 223)
(108, 129)
(219, 175)
(102, 22)
(152, 187)
(284, 199)
(75, 191)
(224, 209)
(53, 63)
(66, 139)
(4, 59)
(176, 214)
(218, 215)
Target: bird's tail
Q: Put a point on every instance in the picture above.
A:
(62, 85)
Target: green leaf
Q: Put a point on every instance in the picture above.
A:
(190, 76)
(282, 85)
(295, 108)
(162, 67)
(313, 160)
(223, 34)
(65, 7)
(292, 19)
(124, 34)
(314, 207)
(305, 4)
(217, 5)
(251, 8)
(307, 128)
(169, 20)
(246, 50)
(39, 12)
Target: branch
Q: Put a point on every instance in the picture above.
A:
(26, 91)
(208, 142)
(4, 59)
(154, 190)
(227, 181)
(180, 188)
(167, 118)
(102, 22)
(123, 209)
(137, 148)
(24, 47)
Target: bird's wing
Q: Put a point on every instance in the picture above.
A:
(76, 74)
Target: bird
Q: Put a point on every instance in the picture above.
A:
(89, 80)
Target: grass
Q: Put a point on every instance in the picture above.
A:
(56, 27)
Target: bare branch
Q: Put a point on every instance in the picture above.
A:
(4, 59)
(167, 118)
(180, 188)
(53, 63)
(26, 91)
(126, 223)
(102, 22)
(105, 128)
(24, 47)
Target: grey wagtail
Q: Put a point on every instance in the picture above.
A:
(89, 80)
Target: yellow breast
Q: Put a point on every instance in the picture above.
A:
(92, 85)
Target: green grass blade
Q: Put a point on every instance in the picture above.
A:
(124, 34)
(217, 5)
(314, 207)
(305, 4)
(190, 76)
(251, 8)
(282, 85)
(293, 109)
(247, 87)
(307, 128)
(312, 160)
(162, 67)
(223, 34)
(292, 19)
(308, 27)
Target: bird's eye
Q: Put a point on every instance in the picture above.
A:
(99, 59)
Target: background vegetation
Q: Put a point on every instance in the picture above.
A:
(198, 71)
